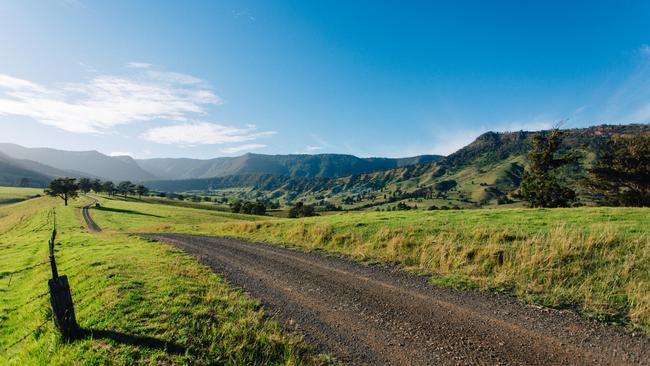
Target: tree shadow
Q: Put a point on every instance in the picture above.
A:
(135, 340)
(119, 210)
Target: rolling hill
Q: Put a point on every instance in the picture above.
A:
(484, 172)
(81, 163)
(320, 166)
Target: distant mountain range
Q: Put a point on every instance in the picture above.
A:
(485, 171)
(41, 164)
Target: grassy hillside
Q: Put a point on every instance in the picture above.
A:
(9, 195)
(593, 260)
(138, 302)
(297, 165)
(485, 173)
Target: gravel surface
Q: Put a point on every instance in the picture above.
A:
(379, 315)
(92, 225)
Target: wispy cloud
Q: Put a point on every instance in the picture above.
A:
(121, 153)
(310, 148)
(106, 101)
(203, 133)
(241, 148)
(138, 65)
(644, 50)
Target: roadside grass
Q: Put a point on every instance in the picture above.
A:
(200, 205)
(9, 195)
(138, 302)
(593, 260)
(133, 215)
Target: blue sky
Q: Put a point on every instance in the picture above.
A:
(370, 78)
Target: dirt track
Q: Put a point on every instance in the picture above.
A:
(379, 315)
(92, 225)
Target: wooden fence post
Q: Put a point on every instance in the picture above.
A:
(61, 299)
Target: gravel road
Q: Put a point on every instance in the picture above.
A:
(379, 315)
(92, 225)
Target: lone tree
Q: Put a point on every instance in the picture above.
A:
(64, 188)
(540, 185)
(620, 175)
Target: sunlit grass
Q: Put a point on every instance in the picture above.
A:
(144, 302)
(9, 195)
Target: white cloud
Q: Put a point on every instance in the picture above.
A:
(106, 101)
(240, 148)
(173, 77)
(313, 148)
(121, 153)
(138, 65)
(203, 133)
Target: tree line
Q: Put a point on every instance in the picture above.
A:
(67, 188)
(619, 176)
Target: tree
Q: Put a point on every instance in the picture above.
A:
(63, 187)
(236, 206)
(24, 182)
(445, 185)
(85, 185)
(108, 187)
(540, 185)
(96, 185)
(620, 175)
(126, 187)
(141, 190)
(301, 210)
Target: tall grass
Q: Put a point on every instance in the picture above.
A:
(139, 302)
(594, 260)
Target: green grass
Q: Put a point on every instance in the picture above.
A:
(594, 260)
(139, 302)
(9, 195)
(132, 215)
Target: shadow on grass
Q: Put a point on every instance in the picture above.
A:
(119, 210)
(135, 340)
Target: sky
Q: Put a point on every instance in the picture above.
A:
(204, 79)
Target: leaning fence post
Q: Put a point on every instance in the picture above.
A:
(61, 298)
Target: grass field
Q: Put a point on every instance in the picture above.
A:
(147, 303)
(593, 260)
(9, 195)
(138, 302)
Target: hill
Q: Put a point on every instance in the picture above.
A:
(93, 164)
(485, 172)
(16, 172)
(320, 166)
(80, 163)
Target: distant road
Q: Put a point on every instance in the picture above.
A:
(92, 225)
(378, 315)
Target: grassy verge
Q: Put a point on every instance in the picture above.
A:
(593, 260)
(138, 302)
(9, 195)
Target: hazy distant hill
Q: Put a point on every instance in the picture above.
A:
(14, 171)
(487, 169)
(321, 166)
(81, 163)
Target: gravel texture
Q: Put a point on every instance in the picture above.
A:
(380, 315)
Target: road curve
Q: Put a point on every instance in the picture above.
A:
(92, 225)
(379, 315)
